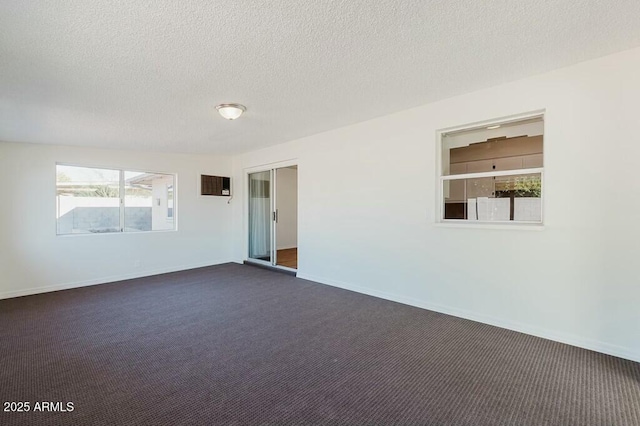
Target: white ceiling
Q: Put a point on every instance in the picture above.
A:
(144, 74)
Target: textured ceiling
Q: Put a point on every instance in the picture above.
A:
(144, 74)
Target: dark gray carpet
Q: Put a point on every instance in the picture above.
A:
(235, 344)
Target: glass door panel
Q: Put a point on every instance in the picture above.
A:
(260, 229)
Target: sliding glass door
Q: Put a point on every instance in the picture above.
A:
(273, 217)
(260, 216)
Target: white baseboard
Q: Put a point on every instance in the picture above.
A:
(106, 280)
(594, 345)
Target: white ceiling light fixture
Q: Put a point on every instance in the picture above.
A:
(231, 111)
(493, 127)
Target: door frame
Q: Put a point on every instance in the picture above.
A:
(271, 167)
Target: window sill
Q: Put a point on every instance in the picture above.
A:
(489, 225)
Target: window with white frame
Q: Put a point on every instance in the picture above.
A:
(493, 173)
(97, 200)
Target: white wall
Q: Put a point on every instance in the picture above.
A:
(367, 205)
(287, 205)
(33, 259)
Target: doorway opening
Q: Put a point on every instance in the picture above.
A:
(273, 217)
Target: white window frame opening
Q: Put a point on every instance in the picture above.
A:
(444, 181)
(156, 183)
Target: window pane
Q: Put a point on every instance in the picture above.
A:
(148, 202)
(170, 202)
(501, 198)
(88, 200)
(509, 146)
